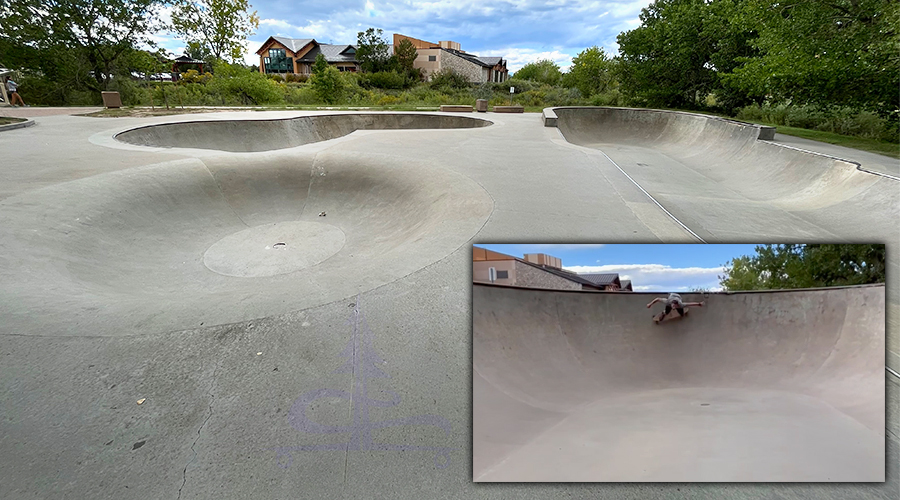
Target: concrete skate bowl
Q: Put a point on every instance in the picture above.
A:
(242, 136)
(194, 242)
(692, 161)
(767, 387)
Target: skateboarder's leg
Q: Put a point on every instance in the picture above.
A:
(680, 311)
(665, 313)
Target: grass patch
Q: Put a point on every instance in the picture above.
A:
(871, 145)
(7, 120)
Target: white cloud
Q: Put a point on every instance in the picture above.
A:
(516, 57)
(277, 23)
(522, 32)
(660, 277)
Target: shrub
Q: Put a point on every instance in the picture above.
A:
(238, 85)
(840, 120)
(296, 78)
(383, 80)
(328, 85)
(520, 86)
(447, 79)
(300, 94)
(608, 98)
(194, 76)
(387, 100)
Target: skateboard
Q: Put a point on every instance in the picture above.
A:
(672, 315)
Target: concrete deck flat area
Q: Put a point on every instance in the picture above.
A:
(294, 311)
(769, 387)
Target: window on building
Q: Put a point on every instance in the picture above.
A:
(432, 58)
(278, 62)
(502, 275)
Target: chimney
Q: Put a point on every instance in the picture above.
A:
(543, 260)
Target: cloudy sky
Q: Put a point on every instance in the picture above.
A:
(521, 31)
(656, 268)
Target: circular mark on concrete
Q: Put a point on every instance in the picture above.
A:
(249, 253)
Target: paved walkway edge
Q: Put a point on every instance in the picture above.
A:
(13, 126)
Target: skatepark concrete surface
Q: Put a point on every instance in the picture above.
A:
(266, 134)
(296, 321)
(769, 387)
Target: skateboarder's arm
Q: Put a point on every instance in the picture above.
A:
(691, 304)
(654, 301)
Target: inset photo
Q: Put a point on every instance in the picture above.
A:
(678, 363)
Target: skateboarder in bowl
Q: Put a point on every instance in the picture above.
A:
(673, 301)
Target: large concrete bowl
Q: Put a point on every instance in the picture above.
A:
(266, 135)
(227, 237)
(767, 386)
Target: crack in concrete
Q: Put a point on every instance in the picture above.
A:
(200, 430)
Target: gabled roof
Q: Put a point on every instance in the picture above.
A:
(187, 60)
(487, 62)
(332, 53)
(603, 279)
(491, 61)
(626, 285)
(294, 44)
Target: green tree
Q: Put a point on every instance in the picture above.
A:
(373, 51)
(591, 72)
(76, 44)
(665, 61)
(842, 52)
(406, 54)
(198, 51)
(221, 27)
(320, 65)
(542, 71)
(806, 266)
(327, 82)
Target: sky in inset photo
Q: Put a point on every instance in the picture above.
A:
(521, 32)
(651, 268)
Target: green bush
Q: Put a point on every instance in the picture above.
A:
(300, 94)
(296, 78)
(447, 79)
(839, 120)
(384, 80)
(238, 85)
(520, 86)
(328, 85)
(608, 98)
(132, 92)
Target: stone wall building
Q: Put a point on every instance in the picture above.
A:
(533, 271)
(434, 57)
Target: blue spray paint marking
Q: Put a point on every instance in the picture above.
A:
(362, 363)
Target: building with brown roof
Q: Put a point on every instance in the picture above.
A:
(284, 55)
(534, 271)
(434, 57)
(606, 281)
